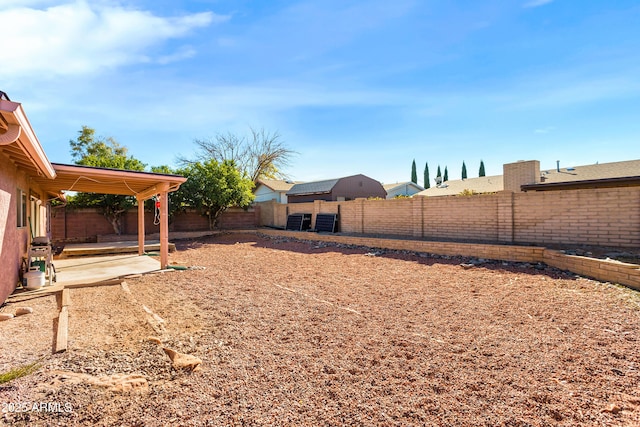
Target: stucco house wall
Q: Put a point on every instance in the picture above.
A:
(14, 239)
(265, 194)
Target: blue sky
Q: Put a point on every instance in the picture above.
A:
(353, 86)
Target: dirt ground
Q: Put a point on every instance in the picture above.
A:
(300, 333)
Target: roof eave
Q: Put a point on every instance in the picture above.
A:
(309, 193)
(32, 146)
(626, 181)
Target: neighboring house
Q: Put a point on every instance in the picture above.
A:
(483, 184)
(600, 175)
(402, 189)
(339, 189)
(272, 189)
(527, 176)
(29, 182)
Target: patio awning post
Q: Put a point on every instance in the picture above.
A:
(140, 226)
(164, 225)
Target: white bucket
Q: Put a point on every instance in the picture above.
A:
(35, 279)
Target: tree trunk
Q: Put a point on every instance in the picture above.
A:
(116, 223)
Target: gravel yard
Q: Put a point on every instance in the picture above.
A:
(301, 333)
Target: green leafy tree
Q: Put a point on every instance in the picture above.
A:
(89, 150)
(212, 187)
(481, 172)
(464, 170)
(262, 154)
(445, 178)
(414, 173)
(426, 176)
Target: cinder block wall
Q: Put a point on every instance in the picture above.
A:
(461, 217)
(602, 217)
(84, 225)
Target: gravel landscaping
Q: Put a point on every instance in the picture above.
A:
(301, 333)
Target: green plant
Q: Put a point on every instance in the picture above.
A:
(20, 371)
(467, 192)
(414, 173)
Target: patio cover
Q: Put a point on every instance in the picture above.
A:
(142, 185)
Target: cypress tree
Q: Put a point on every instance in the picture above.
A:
(414, 173)
(481, 172)
(445, 178)
(438, 174)
(464, 170)
(426, 176)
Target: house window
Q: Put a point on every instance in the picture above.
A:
(22, 209)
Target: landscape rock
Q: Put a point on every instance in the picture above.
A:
(154, 340)
(183, 361)
(612, 408)
(116, 382)
(5, 316)
(21, 311)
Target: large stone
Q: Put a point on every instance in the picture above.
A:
(154, 340)
(183, 361)
(21, 311)
(124, 382)
(5, 316)
(116, 382)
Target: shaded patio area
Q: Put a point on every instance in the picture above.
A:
(89, 270)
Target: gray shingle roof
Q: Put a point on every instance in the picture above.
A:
(277, 184)
(483, 184)
(625, 168)
(315, 187)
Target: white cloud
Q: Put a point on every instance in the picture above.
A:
(544, 130)
(185, 52)
(537, 3)
(78, 37)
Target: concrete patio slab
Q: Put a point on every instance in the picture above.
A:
(74, 272)
(88, 270)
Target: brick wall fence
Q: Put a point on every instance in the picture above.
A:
(85, 225)
(598, 217)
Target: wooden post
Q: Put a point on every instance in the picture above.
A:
(140, 227)
(164, 226)
(63, 330)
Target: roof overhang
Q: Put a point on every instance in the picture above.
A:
(86, 179)
(308, 193)
(626, 181)
(20, 143)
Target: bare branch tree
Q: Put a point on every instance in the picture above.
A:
(261, 155)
